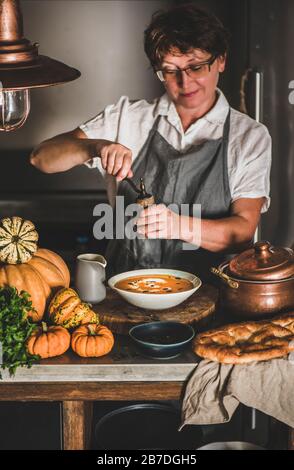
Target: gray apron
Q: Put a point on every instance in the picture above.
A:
(198, 176)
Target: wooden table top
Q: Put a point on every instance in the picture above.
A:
(120, 316)
(122, 364)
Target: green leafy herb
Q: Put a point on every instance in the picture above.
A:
(15, 329)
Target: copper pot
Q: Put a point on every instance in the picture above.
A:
(259, 282)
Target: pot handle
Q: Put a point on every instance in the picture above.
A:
(225, 278)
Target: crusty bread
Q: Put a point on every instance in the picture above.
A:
(248, 341)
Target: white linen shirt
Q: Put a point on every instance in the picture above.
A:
(249, 148)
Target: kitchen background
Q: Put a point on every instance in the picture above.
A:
(104, 40)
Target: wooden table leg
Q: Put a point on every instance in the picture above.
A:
(77, 424)
(291, 439)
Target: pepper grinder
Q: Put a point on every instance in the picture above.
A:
(143, 198)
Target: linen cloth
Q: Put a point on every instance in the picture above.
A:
(215, 390)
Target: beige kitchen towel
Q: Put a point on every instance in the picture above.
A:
(215, 390)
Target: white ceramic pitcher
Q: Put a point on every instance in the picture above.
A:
(90, 274)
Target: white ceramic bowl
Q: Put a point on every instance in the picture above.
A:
(155, 301)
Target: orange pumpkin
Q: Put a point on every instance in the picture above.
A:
(48, 341)
(67, 309)
(92, 340)
(41, 276)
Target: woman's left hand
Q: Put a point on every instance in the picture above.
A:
(157, 221)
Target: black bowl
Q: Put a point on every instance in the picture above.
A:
(162, 339)
(145, 426)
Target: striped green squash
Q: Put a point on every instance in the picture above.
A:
(18, 240)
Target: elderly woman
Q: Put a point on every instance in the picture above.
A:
(189, 145)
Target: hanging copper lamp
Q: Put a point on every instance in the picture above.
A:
(22, 68)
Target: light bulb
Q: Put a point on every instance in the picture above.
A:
(14, 108)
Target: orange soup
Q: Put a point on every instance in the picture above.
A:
(154, 284)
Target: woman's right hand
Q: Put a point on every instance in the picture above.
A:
(116, 159)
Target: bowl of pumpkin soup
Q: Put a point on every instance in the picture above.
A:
(155, 289)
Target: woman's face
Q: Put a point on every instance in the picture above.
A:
(188, 92)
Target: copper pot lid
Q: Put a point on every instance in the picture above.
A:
(263, 262)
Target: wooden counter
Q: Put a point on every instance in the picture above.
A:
(77, 383)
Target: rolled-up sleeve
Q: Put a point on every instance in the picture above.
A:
(105, 125)
(251, 176)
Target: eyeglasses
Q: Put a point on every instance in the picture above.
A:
(193, 71)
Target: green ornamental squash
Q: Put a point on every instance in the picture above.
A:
(18, 240)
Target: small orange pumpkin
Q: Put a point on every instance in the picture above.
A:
(67, 309)
(92, 340)
(48, 341)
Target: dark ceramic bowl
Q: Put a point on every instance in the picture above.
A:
(162, 339)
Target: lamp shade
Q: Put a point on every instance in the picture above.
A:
(20, 64)
(43, 72)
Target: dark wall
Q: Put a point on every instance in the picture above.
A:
(234, 16)
(271, 51)
(19, 176)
